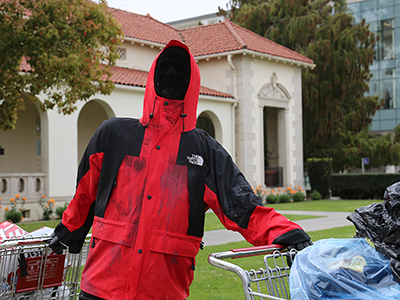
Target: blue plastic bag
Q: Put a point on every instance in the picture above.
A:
(342, 269)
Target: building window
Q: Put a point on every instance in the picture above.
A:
(38, 185)
(3, 186)
(21, 185)
(383, 84)
(388, 88)
(38, 124)
(122, 53)
(386, 49)
(38, 147)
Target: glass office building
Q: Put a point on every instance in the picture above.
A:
(384, 19)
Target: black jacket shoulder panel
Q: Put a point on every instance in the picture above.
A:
(220, 174)
(115, 135)
(116, 138)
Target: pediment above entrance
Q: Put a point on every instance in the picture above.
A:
(274, 90)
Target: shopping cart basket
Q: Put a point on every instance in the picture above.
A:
(29, 269)
(270, 280)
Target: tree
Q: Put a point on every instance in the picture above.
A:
(336, 111)
(60, 50)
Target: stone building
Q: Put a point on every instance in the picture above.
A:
(250, 101)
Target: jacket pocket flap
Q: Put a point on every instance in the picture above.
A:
(174, 244)
(115, 232)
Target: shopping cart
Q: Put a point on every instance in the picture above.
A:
(30, 270)
(270, 280)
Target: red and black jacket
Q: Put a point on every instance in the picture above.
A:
(144, 186)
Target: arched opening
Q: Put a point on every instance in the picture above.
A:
(210, 123)
(204, 122)
(90, 118)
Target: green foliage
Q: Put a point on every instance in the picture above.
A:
(362, 186)
(13, 216)
(319, 171)
(315, 195)
(284, 198)
(271, 199)
(298, 197)
(60, 210)
(65, 49)
(336, 111)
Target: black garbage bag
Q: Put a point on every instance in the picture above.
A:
(380, 222)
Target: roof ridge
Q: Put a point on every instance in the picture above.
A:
(145, 16)
(125, 11)
(199, 27)
(228, 23)
(165, 24)
(269, 40)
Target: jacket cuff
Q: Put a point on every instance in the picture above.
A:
(292, 237)
(64, 235)
(74, 247)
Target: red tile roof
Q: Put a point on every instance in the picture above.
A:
(138, 78)
(131, 77)
(134, 77)
(144, 27)
(227, 36)
(210, 92)
(202, 40)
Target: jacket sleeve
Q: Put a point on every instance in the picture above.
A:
(78, 217)
(232, 199)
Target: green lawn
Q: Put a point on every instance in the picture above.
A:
(213, 223)
(31, 226)
(325, 205)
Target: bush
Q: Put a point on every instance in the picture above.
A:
(298, 197)
(319, 171)
(271, 199)
(284, 198)
(60, 210)
(315, 195)
(13, 216)
(362, 186)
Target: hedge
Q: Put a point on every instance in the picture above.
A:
(362, 186)
(319, 171)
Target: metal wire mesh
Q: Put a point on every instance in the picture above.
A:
(30, 270)
(271, 282)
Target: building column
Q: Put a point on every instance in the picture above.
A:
(283, 144)
(62, 155)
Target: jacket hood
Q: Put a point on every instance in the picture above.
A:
(188, 108)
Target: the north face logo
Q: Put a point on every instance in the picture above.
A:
(196, 160)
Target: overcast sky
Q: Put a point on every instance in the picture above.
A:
(169, 10)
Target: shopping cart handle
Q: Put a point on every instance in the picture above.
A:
(272, 247)
(258, 250)
(13, 243)
(245, 252)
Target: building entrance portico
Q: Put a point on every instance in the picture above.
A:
(273, 107)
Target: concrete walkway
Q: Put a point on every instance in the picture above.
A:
(329, 220)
